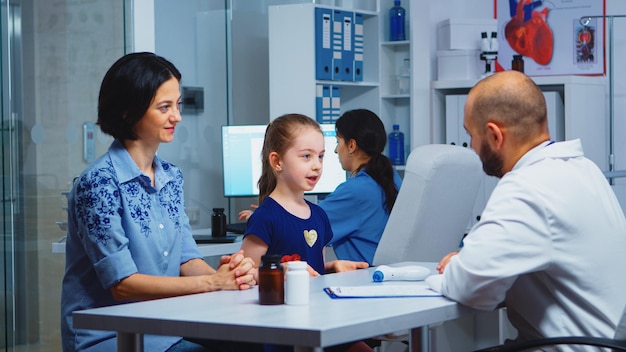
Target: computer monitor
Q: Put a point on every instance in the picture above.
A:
(241, 157)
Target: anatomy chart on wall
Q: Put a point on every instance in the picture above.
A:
(551, 37)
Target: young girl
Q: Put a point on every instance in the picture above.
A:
(285, 223)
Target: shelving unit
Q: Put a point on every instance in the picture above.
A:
(583, 110)
(584, 104)
(293, 86)
(292, 62)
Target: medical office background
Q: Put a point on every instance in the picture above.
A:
(54, 54)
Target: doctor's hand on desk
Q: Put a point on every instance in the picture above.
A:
(444, 261)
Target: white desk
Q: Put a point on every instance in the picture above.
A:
(237, 316)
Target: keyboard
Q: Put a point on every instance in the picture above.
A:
(200, 239)
(237, 227)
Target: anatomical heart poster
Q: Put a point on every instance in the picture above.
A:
(551, 36)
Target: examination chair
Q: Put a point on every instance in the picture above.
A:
(431, 213)
(434, 205)
(617, 343)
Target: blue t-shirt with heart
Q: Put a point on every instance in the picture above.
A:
(287, 234)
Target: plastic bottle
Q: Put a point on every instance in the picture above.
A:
(404, 78)
(397, 16)
(297, 283)
(396, 146)
(518, 63)
(408, 272)
(218, 223)
(271, 280)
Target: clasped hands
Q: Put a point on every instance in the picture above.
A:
(242, 267)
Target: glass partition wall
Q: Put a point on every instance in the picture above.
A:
(54, 55)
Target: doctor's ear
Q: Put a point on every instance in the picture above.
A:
(495, 134)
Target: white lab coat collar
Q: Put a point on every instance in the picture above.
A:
(547, 149)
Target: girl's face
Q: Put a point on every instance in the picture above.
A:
(300, 168)
(159, 122)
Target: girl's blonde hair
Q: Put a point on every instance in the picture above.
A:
(279, 136)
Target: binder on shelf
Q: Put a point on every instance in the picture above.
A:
(323, 48)
(337, 44)
(358, 47)
(335, 103)
(347, 54)
(323, 103)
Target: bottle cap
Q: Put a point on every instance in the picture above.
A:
(396, 127)
(218, 210)
(297, 265)
(483, 35)
(396, 2)
(271, 258)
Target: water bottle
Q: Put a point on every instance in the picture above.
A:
(404, 77)
(396, 22)
(218, 223)
(396, 146)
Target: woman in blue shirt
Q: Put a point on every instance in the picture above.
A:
(128, 236)
(359, 208)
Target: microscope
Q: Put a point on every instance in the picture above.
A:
(489, 52)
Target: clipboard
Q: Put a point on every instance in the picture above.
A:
(381, 291)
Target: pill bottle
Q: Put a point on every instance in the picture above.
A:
(271, 280)
(518, 63)
(297, 283)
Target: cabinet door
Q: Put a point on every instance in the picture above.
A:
(455, 133)
(556, 116)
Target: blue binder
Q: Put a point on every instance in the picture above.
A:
(323, 47)
(337, 44)
(358, 47)
(347, 54)
(323, 103)
(335, 103)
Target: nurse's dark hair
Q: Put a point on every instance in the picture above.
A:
(368, 131)
(127, 90)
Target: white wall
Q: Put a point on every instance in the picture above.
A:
(188, 34)
(192, 35)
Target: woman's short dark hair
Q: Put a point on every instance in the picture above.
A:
(128, 89)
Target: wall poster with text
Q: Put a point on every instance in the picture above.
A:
(551, 36)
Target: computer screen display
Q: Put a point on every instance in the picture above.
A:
(241, 156)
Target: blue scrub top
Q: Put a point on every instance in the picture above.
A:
(357, 216)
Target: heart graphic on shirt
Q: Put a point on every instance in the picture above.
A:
(310, 236)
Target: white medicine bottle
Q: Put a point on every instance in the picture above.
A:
(297, 283)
